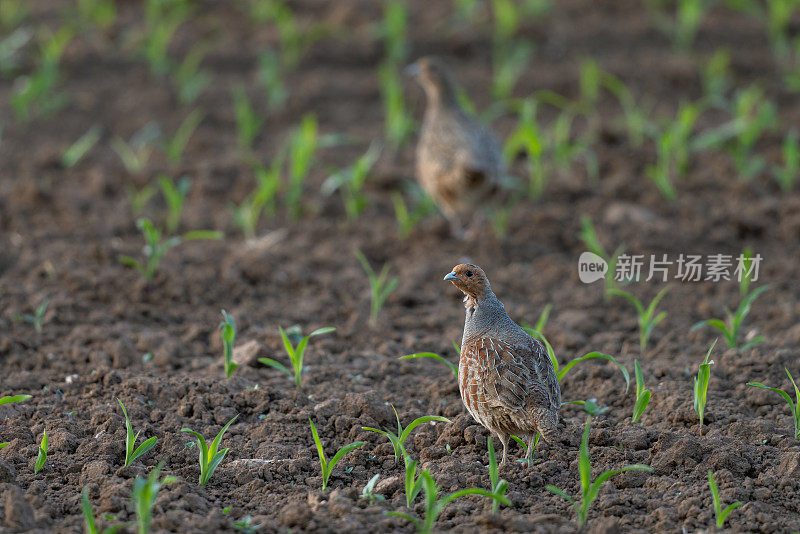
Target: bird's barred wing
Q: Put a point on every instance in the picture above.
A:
(518, 376)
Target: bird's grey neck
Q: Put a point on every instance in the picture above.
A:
(485, 314)
(443, 97)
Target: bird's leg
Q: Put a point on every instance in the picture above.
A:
(504, 441)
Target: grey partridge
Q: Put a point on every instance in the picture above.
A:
(505, 377)
(459, 161)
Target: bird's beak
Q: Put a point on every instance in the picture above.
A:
(451, 277)
(412, 70)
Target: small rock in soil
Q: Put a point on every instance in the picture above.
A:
(790, 464)
(7, 473)
(19, 514)
(63, 441)
(94, 471)
(248, 353)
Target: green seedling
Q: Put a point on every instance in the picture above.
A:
(689, 17)
(590, 489)
(270, 75)
(155, 248)
(381, 286)
(527, 459)
(588, 236)
(673, 148)
(247, 214)
(248, 123)
(162, 19)
(700, 385)
(397, 123)
(368, 492)
(499, 485)
(779, 15)
(636, 117)
(681, 27)
(508, 68)
(434, 504)
(787, 175)
(466, 10)
(717, 79)
(327, 466)
(791, 76)
(295, 353)
(144, 494)
(746, 271)
(89, 520)
(175, 197)
(302, 146)
(398, 440)
(37, 319)
(754, 115)
(395, 22)
(561, 371)
(246, 525)
(567, 151)
(647, 317)
(210, 456)
(228, 327)
(189, 78)
(136, 153)
(4, 444)
(528, 138)
(174, 147)
(407, 220)
(99, 13)
(139, 198)
(10, 399)
(541, 322)
(42, 458)
(642, 393)
(794, 406)
(350, 182)
(130, 440)
(81, 147)
(12, 13)
(35, 93)
(500, 216)
(591, 77)
(453, 367)
(509, 56)
(294, 41)
(731, 326)
(720, 514)
(412, 482)
(590, 406)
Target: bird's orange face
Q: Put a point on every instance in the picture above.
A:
(470, 279)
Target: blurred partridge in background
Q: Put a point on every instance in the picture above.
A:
(459, 161)
(506, 379)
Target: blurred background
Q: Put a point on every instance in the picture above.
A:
(163, 159)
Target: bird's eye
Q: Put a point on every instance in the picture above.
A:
(468, 273)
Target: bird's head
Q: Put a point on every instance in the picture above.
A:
(435, 78)
(471, 280)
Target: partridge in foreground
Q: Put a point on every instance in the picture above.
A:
(506, 379)
(459, 162)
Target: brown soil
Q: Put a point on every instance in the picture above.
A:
(61, 230)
